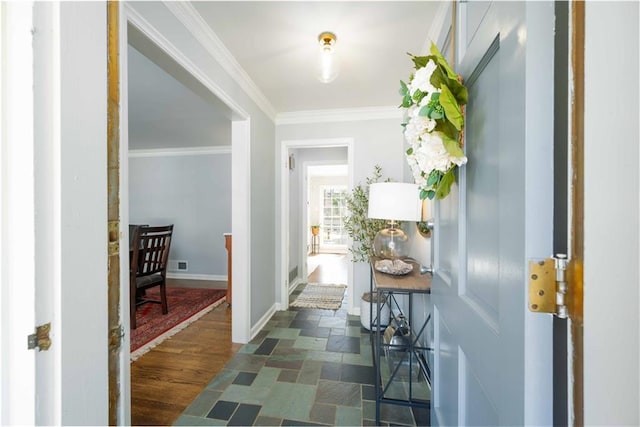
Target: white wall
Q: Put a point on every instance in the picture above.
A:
(83, 159)
(611, 255)
(192, 192)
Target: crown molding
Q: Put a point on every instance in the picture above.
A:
(197, 26)
(149, 31)
(338, 115)
(176, 152)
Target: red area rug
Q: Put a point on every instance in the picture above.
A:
(186, 305)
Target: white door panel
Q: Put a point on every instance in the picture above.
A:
(482, 237)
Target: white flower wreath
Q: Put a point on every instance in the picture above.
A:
(433, 123)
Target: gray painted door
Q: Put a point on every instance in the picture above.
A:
(492, 357)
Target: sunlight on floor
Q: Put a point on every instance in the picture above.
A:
(327, 268)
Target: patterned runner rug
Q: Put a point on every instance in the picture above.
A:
(323, 296)
(186, 305)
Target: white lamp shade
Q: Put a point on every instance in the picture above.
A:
(397, 201)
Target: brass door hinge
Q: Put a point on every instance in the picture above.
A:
(40, 338)
(548, 285)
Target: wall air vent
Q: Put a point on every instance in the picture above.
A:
(175, 265)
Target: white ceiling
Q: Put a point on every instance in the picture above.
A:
(275, 43)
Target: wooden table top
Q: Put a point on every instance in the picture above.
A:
(413, 281)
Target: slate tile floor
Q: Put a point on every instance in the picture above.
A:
(306, 367)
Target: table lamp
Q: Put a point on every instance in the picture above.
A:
(393, 201)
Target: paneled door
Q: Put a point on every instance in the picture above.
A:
(492, 358)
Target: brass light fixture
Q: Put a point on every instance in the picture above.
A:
(328, 67)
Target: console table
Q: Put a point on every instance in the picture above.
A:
(402, 374)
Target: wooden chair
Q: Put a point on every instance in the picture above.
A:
(149, 256)
(132, 231)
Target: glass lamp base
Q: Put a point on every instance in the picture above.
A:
(391, 243)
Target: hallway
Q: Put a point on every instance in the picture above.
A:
(193, 357)
(306, 367)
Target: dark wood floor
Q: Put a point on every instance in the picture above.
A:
(168, 378)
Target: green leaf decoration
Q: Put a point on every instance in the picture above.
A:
(434, 177)
(459, 91)
(435, 111)
(407, 101)
(451, 109)
(444, 187)
(404, 90)
(427, 194)
(435, 114)
(443, 62)
(446, 128)
(439, 79)
(418, 95)
(452, 147)
(419, 61)
(445, 107)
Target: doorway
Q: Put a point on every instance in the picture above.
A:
(146, 39)
(324, 207)
(298, 213)
(326, 191)
(151, 44)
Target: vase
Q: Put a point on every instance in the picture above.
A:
(365, 314)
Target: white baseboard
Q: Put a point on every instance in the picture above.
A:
(293, 284)
(188, 276)
(255, 329)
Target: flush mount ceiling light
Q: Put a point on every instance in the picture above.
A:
(328, 67)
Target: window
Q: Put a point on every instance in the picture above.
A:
(333, 209)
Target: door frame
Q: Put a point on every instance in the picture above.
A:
(240, 199)
(240, 175)
(285, 147)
